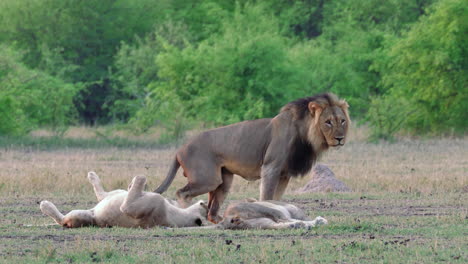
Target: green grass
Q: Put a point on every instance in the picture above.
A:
(409, 205)
(371, 232)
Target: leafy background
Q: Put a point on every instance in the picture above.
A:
(401, 65)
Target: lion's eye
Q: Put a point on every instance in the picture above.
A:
(343, 121)
(328, 122)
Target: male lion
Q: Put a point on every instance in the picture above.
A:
(271, 149)
(134, 208)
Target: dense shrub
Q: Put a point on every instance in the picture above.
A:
(31, 98)
(244, 72)
(425, 75)
(182, 62)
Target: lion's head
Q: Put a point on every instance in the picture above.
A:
(326, 118)
(331, 119)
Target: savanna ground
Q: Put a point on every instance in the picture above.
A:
(409, 205)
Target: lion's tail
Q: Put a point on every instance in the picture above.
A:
(169, 178)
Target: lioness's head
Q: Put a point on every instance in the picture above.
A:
(78, 218)
(326, 118)
(199, 214)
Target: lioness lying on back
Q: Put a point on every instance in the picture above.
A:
(132, 208)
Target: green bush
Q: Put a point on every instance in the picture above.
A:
(245, 72)
(135, 68)
(31, 98)
(427, 69)
(182, 62)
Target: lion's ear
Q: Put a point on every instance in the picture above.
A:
(343, 104)
(315, 110)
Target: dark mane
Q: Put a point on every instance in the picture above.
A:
(302, 155)
(301, 158)
(299, 107)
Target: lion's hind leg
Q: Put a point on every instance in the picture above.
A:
(216, 197)
(97, 186)
(202, 178)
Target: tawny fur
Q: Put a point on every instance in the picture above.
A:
(253, 214)
(273, 150)
(132, 208)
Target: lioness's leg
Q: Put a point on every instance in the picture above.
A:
(316, 222)
(282, 184)
(289, 224)
(96, 182)
(216, 197)
(75, 218)
(300, 224)
(51, 210)
(138, 204)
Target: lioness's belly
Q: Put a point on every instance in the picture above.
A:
(107, 212)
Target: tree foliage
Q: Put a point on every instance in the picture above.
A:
(182, 62)
(31, 98)
(425, 73)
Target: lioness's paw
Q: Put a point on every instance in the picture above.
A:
(92, 177)
(44, 204)
(47, 207)
(297, 225)
(320, 221)
(138, 181)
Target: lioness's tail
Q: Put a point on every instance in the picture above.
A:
(169, 178)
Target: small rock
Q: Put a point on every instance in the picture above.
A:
(323, 180)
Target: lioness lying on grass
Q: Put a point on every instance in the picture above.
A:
(132, 208)
(253, 214)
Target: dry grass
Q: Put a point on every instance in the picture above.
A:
(426, 223)
(426, 166)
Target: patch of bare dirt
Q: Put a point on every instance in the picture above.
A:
(376, 207)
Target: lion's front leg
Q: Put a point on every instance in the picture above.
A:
(281, 188)
(269, 183)
(274, 163)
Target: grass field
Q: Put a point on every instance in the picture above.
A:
(409, 205)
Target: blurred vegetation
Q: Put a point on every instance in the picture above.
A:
(401, 64)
